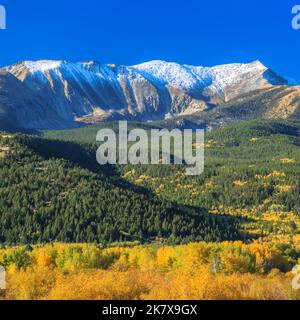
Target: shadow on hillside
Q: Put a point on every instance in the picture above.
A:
(83, 156)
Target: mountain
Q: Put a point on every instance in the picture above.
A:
(59, 94)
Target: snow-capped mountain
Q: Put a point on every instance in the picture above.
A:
(59, 94)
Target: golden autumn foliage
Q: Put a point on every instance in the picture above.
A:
(227, 270)
(239, 183)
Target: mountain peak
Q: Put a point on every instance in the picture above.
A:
(154, 62)
(258, 64)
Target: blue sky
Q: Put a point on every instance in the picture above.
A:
(129, 32)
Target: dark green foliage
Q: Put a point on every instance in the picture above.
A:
(55, 191)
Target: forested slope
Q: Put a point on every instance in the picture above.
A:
(55, 191)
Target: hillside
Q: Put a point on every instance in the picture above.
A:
(55, 191)
(127, 221)
(251, 172)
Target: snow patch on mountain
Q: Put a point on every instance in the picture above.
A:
(185, 77)
(42, 65)
(189, 77)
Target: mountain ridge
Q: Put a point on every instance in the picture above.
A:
(62, 94)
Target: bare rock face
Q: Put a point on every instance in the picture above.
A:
(19, 107)
(60, 94)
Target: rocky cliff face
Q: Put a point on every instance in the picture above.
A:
(59, 94)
